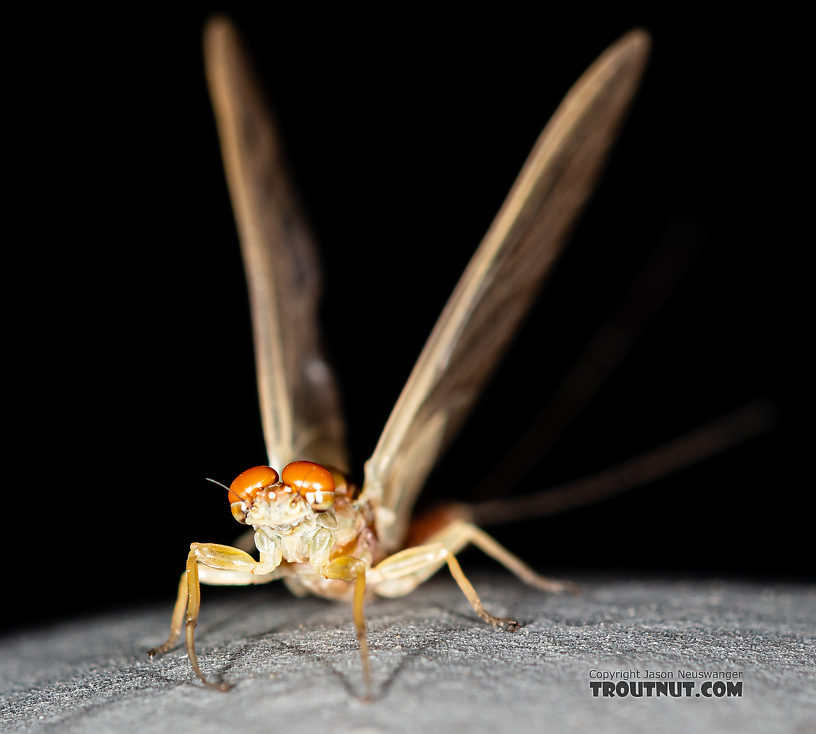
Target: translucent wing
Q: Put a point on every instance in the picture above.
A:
(299, 402)
(500, 282)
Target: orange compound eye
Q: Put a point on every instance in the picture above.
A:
(248, 483)
(311, 481)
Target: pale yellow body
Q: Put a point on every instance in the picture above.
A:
(335, 554)
(352, 547)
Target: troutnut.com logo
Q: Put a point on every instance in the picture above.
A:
(665, 683)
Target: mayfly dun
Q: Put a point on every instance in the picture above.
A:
(310, 526)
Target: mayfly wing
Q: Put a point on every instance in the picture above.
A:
(300, 407)
(500, 282)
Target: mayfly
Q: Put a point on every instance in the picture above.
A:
(312, 528)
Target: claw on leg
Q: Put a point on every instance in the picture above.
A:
(468, 590)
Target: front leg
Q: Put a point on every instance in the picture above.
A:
(230, 566)
(348, 568)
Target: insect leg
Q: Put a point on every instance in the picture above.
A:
(177, 621)
(402, 572)
(348, 568)
(221, 565)
(465, 532)
(451, 526)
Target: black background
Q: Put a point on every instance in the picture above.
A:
(128, 323)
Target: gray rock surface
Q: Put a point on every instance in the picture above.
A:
(436, 667)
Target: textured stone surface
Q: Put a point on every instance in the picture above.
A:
(435, 666)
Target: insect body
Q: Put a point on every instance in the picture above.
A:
(311, 527)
